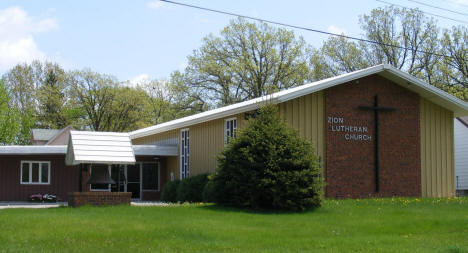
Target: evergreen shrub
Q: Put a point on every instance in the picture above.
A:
(209, 191)
(169, 192)
(191, 189)
(268, 166)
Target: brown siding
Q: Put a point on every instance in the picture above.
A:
(63, 179)
(437, 151)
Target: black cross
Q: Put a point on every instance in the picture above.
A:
(376, 108)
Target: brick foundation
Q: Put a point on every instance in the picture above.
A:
(350, 162)
(76, 199)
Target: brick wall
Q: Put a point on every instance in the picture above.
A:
(76, 199)
(350, 163)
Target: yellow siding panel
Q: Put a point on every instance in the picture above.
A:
(306, 114)
(437, 166)
(422, 127)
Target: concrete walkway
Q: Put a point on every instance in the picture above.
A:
(6, 205)
(148, 203)
(23, 204)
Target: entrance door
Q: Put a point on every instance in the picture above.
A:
(133, 180)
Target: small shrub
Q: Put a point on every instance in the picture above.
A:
(191, 189)
(209, 193)
(268, 166)
(169, 192)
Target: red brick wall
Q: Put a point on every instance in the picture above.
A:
(76, 199)
(350, 163)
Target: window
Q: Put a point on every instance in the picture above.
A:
(150, 176)
(184, 153)
(229, 129)
(33, 172)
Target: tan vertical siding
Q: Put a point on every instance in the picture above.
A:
(437, 153)
(207, 141)
(307, 115)
(169, 137)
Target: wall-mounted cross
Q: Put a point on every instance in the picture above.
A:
(376, 108)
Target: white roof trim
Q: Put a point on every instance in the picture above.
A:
(427, 91)
(33, 150)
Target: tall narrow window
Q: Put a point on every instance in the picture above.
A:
(229, 129)
(184, 153)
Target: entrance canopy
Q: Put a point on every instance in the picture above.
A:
(99, 147)
(109, 148)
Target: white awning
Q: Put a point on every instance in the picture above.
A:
(99, 147)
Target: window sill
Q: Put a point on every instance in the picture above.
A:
(35, 183)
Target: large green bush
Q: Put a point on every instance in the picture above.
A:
(169, 192)
(191, 189)
(209, 191)
(268, 166)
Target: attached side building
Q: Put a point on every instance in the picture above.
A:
(461, 155)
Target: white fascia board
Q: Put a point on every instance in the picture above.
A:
(327, 83)
(435, 92)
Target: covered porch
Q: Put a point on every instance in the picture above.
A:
(138, 169)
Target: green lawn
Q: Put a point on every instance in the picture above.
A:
(373, 225)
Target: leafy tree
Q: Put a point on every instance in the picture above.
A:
(337, 56)
(454, 44)
(268, 165)
(247, 60)
(52, 102)
(169, 100)
(419, 53)
(407, 28)
(25, 80)
(94, 93)
(9, 118)
(106, 103)
(127, 110)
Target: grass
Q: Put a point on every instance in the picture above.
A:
(370, 225)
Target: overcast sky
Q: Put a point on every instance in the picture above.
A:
(135, 39)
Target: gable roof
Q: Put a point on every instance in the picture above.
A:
(99, 147)
(39, 134)
(61, 132)
(437, 96)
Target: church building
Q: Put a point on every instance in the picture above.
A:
(377, 132)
